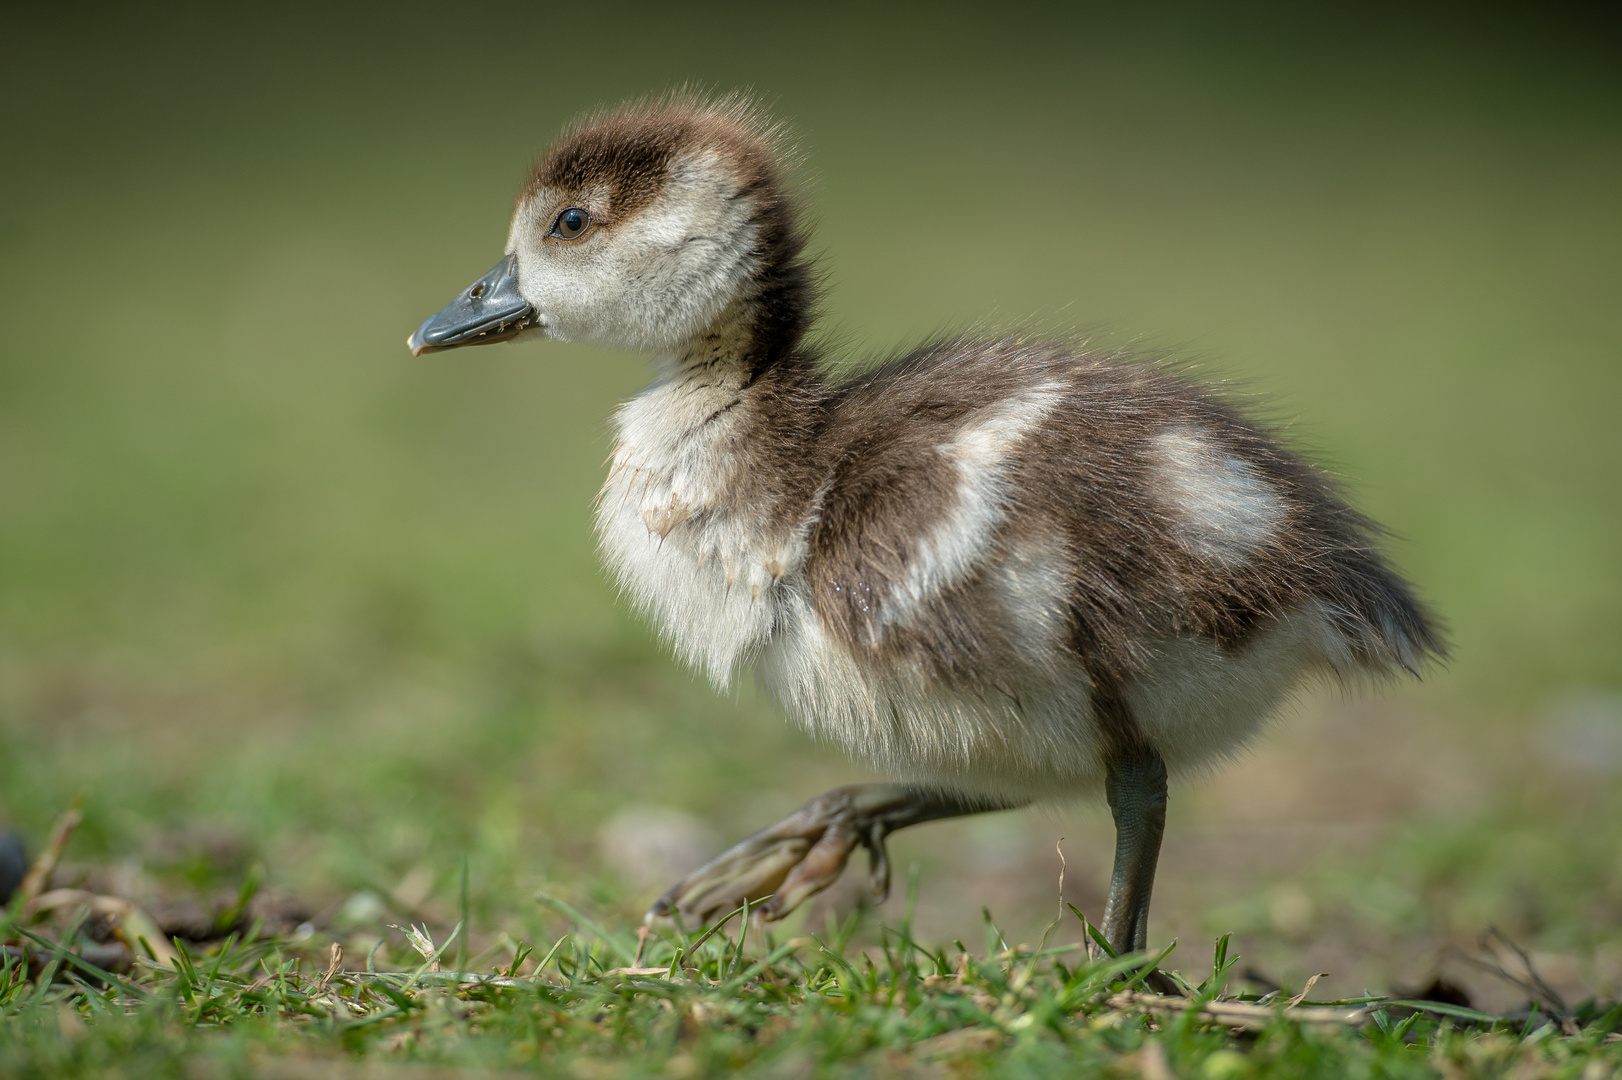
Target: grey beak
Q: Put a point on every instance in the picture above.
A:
(489, 310)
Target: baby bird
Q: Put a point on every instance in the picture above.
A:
(1001, 569)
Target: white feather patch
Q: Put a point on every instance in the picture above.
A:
(1223, 508)
(982, 454)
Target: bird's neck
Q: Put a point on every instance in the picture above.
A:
(746, 358)
(761, 331)
(725, 356)
(727, 412)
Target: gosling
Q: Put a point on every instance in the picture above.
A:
(1001, 569)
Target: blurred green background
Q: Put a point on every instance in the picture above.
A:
(272, 589)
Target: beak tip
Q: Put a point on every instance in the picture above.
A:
(416, 343)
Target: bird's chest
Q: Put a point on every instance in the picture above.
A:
(685, 540)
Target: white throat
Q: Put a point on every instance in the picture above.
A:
(684, 543)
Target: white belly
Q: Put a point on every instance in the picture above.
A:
(917, 728)
(1196, 705)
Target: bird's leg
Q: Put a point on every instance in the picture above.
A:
(1135, 785)
(13, 864)
(786, 863)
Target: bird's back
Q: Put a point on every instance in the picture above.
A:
(1013, 528)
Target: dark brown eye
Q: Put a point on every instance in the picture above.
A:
(571, 223)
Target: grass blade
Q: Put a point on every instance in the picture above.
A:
(84, 965)
(625, 951)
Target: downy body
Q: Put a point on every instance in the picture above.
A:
(982, 564)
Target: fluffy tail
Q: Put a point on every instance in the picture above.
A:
(1387, 627)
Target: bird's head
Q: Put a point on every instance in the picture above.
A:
(645, 228)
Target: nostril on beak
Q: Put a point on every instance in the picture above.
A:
(478, 291)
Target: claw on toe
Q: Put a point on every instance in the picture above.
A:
(878, 864)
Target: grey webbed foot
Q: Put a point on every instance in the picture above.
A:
(785, 864)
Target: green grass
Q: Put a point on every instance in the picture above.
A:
(704, 1004)
(277, 598)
